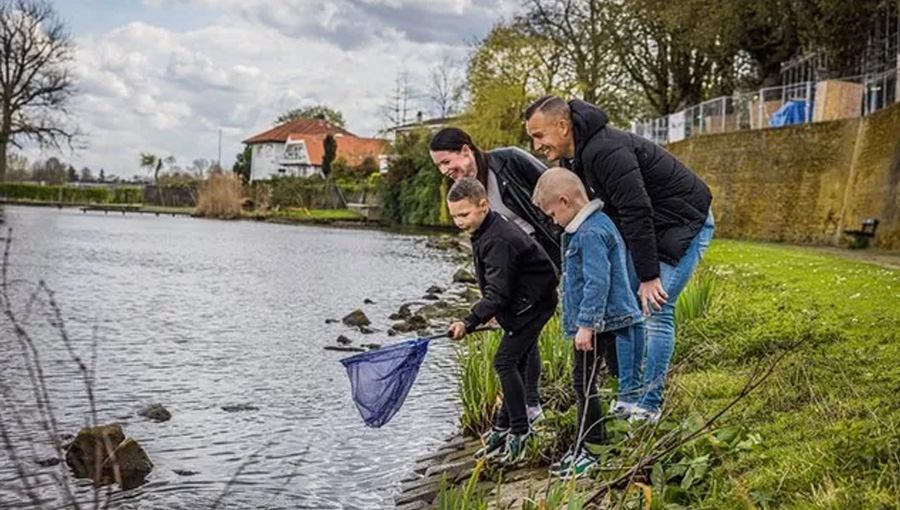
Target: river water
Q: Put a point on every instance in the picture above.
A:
(199, 314)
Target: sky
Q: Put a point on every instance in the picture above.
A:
(165, 76)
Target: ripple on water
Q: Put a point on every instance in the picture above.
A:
(197, 315)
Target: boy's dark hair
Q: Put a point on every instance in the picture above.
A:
(549, 104)
(467, 188)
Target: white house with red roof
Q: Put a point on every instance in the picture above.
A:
(298, 147)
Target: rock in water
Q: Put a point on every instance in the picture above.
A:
(156, 412)
(463, 275)
(431, 297)
(91, 447)
(128, 465)
(341, 348)
(356, 318)
(368, 301)
(344, 340)
(48, 462)
(236, 408)
(366, 330)
(434, 289)
(402, 313)
(413, 323)
(472, 294)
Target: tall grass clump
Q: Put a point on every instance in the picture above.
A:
(696, 298)
(479, 387)
(221, 195)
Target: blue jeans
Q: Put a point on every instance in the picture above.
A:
(655, 337)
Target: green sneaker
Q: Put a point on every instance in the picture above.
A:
(494, 442)
(559, 467)
(515, 447)
(581, 465)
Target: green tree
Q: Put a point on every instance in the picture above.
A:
(155, 164)
(72, 174)
(335, 117)
(102, 177)
(838, 29)
(507, 70)
(36, 51)
(86, 175)
(242, 163)
(578, 29)
(330, 148)
(411, 191)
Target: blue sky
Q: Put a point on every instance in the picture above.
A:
(164, 76)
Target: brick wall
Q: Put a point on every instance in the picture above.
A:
(805, 183)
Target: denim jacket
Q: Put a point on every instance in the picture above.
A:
(596, 290)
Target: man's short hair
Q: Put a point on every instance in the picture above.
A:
(467, 188)
(548, 105)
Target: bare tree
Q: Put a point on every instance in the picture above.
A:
(579, 28)
(36, 51)
(446, 88)
(396, 111)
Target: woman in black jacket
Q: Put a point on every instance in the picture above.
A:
(509, 174)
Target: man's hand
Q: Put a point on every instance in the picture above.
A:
(584, 339)
(653, 294)
(456, 330)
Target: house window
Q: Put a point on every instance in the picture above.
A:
(295, 152)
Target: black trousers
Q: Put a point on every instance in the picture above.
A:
(513, 363)
(533, 377)
(585, 373)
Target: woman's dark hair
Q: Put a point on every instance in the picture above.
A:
(454, 139)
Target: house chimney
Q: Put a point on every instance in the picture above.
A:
(419, 116)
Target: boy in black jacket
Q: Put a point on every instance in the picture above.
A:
(518, 286)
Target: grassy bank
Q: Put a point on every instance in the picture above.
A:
(283, 216)
(821, 429)
(71, 194)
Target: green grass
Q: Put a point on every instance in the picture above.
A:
(319, 214)
(822, 432)
(830, 416)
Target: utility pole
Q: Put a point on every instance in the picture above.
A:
(219, 159)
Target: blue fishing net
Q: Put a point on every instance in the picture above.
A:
(380, 380)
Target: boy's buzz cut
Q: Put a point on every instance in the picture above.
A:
(557, 181)
(467, 188)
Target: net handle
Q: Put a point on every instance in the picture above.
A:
(477, 330)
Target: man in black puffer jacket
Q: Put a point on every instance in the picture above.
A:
(659, 205)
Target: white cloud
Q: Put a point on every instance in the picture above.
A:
(144, 87)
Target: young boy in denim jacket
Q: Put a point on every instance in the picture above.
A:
(599, 306)
(518, 287)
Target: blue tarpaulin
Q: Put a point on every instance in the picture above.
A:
(792, 112)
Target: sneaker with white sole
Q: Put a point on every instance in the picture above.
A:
(645, 415)
(559, 467)
(535, 414)
(515, 447)
(494, 442)
(621, 410)
(581, 465)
